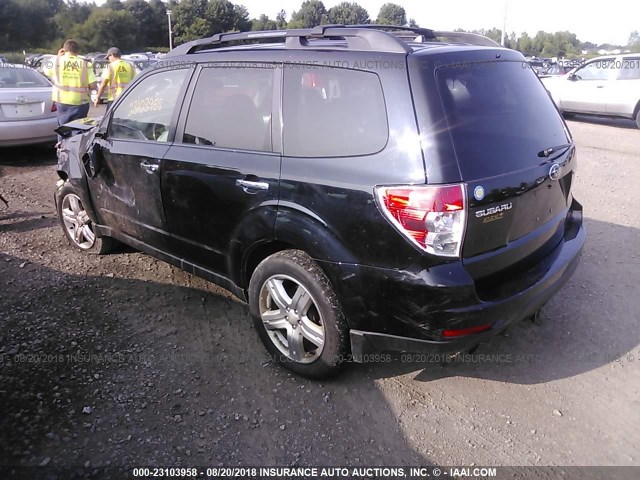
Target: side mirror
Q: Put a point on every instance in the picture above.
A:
(103, 126)
(92, 160)
(573, 77)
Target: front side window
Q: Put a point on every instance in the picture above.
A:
(231, 108)
(146, 112)
(598, 70)
(333, 112)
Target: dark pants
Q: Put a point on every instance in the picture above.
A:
(69, 113)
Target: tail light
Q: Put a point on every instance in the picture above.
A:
(54, 107)
(460, 332)
(431, 217)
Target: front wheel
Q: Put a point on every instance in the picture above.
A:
(298, 315)
(77, 225)
(638, 118)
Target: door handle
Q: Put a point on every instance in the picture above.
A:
(599, 86)
(150, 168)
(251, 187)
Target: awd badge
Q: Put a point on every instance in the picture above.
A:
(478, 193)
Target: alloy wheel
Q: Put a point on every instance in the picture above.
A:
(292, 319)
(77, 222)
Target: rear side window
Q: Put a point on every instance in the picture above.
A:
(231, 108)
(333, 112)
(499, 115)
(597, 70)
(629, 69)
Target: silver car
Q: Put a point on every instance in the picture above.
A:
(607, 86)
(27, 113)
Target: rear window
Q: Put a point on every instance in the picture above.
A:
(500, 117)
(13, 77)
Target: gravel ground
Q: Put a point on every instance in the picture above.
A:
(125, 360)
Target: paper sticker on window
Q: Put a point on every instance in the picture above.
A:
(145, 105)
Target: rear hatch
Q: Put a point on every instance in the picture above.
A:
(516, 158)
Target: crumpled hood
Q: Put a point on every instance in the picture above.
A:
(78, 126)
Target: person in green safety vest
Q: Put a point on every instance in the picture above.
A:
(73, 79)
(116, 77)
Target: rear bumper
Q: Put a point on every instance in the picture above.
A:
(422, 330)
(28, 132)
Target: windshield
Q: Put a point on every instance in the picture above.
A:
(21, 78)
(500, 117)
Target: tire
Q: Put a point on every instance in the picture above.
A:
(638, 118)
(77, 226)
(290, 298)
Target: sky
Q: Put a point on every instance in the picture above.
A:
(599, 23)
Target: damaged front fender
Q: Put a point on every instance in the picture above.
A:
(72, 153)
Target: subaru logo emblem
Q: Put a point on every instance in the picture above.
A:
(478, 192)
(21, 99)
(554, 172)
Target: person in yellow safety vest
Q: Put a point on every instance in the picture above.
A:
(73, 79)
(116, 77)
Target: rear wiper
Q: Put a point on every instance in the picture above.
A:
(548, 151)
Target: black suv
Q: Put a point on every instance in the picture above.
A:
(364, 188)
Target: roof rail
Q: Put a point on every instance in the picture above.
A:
(395, 29)
(358, 37)
(428, 34)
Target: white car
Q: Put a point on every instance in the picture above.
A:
(27, 113)
(607, 86)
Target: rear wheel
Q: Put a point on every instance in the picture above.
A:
(638, 118)
(77, 225)
(298, 315)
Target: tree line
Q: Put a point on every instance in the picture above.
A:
(143, 24)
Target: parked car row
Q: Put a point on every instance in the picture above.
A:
(556, 70)
(97, 59)
(547, 67)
